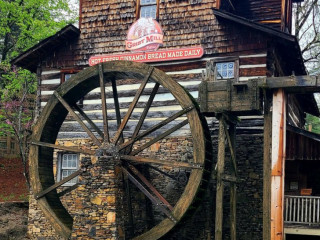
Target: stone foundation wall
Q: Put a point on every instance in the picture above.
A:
(85, 203)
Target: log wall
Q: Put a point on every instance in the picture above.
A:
(188, 75)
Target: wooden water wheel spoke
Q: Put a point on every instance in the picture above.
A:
(156, 127)
(132, 106)
(152, 198)
(150, 186)
(58, 184)
(77, 118)
(160, 137)
(61, 147)
(146, 110)
(103, 104)
(144, 114)
(123, 149)
(116, 105)
(84, 115)
(139, 159)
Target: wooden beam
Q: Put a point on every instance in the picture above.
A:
(267, 138)
(277, 163)
(58, 184)
(231, 136)
(303, 132)
(139, 159)
(293, 83)
(220, 184)
(153, 199)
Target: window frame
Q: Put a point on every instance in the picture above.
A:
(138, 10)
(228, 59)
(60, 169)
(64, 72)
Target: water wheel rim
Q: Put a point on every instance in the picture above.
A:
(83, 83)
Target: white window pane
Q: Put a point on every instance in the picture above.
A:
(64, 174)
(64, 163)
(69, 163)
(74, 164)
(148, 11)
(67, 76)
(225, 70)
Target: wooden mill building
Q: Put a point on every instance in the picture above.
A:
(121, 151)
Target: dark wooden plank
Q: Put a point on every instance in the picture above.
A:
(139, 159)
(251, 72)
(252, 60)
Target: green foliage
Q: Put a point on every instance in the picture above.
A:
(17, 100)
(26, 22)
(313, 123)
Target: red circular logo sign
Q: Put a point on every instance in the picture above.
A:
(144, 35)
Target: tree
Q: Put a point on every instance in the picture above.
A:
(17, 107)
(25, 22)
(307, 31)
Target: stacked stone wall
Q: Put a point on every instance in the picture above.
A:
(199, 226)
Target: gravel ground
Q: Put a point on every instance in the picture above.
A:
(13, 220)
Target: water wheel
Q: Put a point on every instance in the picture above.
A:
(115, 143)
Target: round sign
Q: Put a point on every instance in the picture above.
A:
(144, 35)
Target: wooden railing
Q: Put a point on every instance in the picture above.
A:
(302, 209)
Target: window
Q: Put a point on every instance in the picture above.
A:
(67, 74)
(68, 163)
(148, 8)
(225, 70)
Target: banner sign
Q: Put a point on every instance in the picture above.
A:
(156, 56)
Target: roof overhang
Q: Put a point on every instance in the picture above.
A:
(287, 42)
(302, 144)
(31, 58)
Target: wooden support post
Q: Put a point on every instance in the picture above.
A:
(220, 187)
(277, 163)
(267, 137)
(233, 187)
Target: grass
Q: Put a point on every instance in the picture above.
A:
(7, 198)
